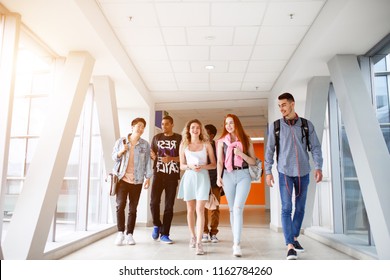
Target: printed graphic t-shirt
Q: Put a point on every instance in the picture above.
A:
(166, 146)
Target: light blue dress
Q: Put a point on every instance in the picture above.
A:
(195, 185)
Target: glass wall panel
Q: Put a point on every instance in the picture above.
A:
(39, 109)
(16, 157)
(20, 116)
(355, 217)
(382, 96)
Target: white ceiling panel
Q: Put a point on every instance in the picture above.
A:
(219, 66)
(143, 36)
(292, 12)
(266, 66)
(282, 52)
(183, 14)
(251, 86)
(174, 36)
(238, 66)
(231, 14)
(188, 52)
(226, 77)
(281, 35)
(264, 77)
(196, 86)
(181, 66)
(230, 52)
(225, 86)
(192, 77)
(210, 35)
(245, 35)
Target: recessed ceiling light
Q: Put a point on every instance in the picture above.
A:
(257, 138)
(210, 38)
(209, 67)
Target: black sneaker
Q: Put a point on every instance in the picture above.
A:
(298, 247)
(292, 254)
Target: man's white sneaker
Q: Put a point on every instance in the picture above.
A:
(129, 239)
(205, 238)
(237, 251)
(119, 239)
(214, 239)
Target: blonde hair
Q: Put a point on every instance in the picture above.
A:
(186, 136)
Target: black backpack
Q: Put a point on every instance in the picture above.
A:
(305, 133)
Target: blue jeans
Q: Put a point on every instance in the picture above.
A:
(236, 185)
(292, 226)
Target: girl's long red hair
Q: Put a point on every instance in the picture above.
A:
(238, 131)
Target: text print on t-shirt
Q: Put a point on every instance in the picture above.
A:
(167, 148)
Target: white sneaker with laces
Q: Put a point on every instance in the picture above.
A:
(237, 251)
(205, 238)
(214, 239)
(129, 240)
(119, 239)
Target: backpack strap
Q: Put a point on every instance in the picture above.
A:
(305, 133)
(277, 133)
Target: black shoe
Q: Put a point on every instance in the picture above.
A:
(292, 254)
(298, 247)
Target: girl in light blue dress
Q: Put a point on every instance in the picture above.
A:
(195, 186)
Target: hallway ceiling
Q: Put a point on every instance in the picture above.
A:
(173, 45)
(156, 51)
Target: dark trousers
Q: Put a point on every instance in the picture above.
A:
(214, 215)
(133, 192)
(159, 185)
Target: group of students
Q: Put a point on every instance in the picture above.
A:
(209, 166)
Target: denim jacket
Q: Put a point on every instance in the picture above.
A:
(142, 162)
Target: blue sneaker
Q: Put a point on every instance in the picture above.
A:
(166, 239)
(156, 232)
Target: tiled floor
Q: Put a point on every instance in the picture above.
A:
(258, 242)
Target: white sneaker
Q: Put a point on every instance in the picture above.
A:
(119, 239)
(214, 239)
(237, 251)
(129, 240)
(205, 237)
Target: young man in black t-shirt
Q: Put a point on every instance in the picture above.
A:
(165, 153)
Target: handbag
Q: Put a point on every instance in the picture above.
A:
(113, 177)
(113, 183)
(212, 203)
(255, 170)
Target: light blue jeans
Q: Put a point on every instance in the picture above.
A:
(236, 185)
(292, 225)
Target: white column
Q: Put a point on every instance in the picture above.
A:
(107, 111)
(316, 100)
(8, 51)
(274, 194)
(30, 225)
(368, 148)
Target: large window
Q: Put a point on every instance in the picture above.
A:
(382, 95)
(81, 200)
(355, 219)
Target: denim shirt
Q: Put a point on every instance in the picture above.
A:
(289, 138)
(142, 162)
